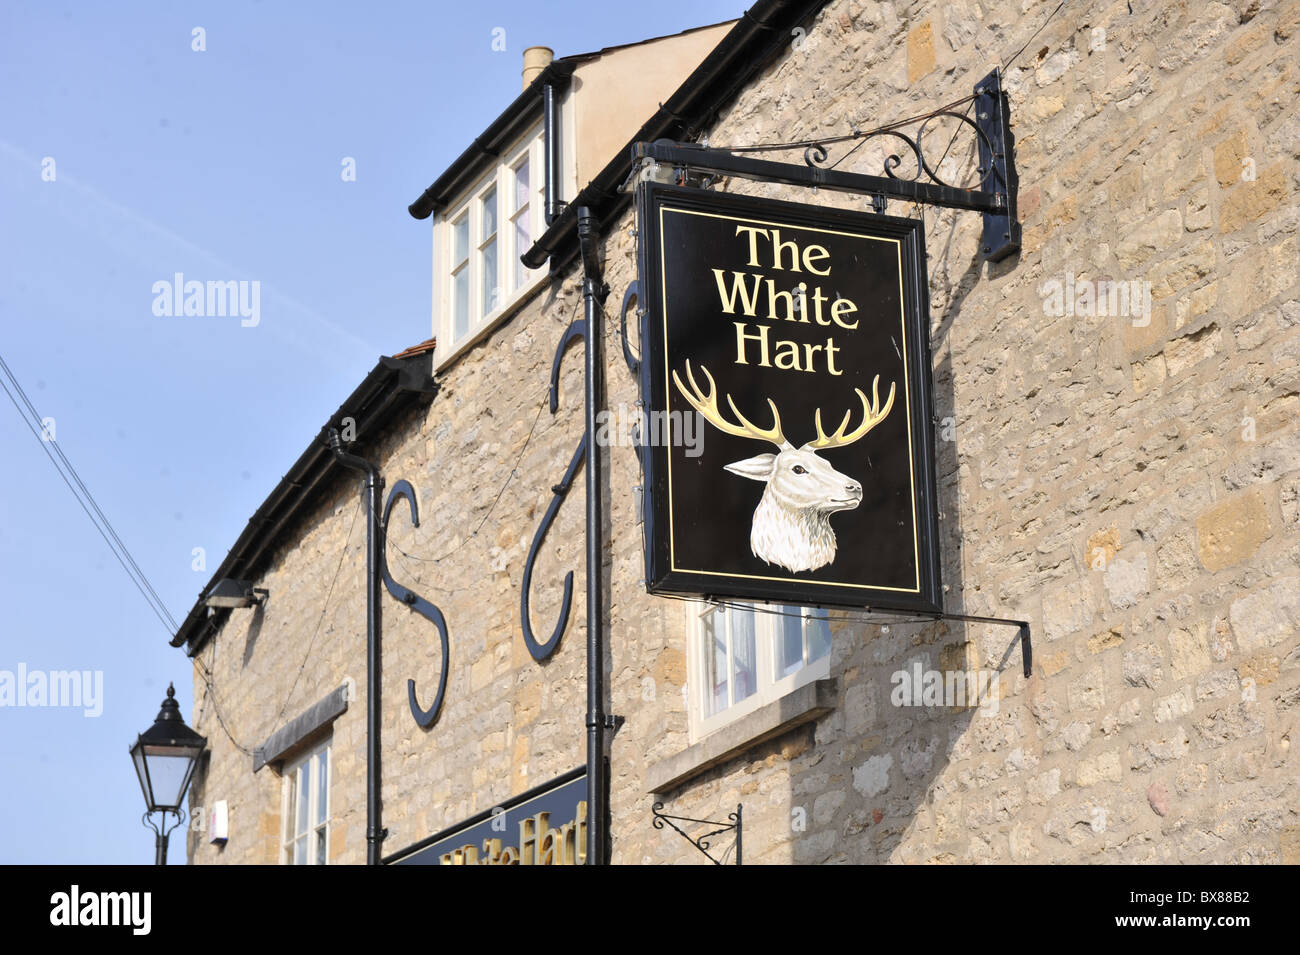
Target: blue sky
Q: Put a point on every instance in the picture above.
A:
(222, 164)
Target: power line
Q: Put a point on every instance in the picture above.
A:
(853, 134)
(141, 583)
(514, 472)
(206, 676)
(35, 424)
(1013, 59)
(36, 416)
(321, 619)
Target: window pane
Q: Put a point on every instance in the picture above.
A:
(744, 661)
(491, 284)
(521, 185)
(300, 851)
(715, 662)
(320, 846)
(490, 213)
(460, 298)
(304, 795)
(819, 634)
(460, 245)
(789, 640)
(322, 784)
(523, 241)
(292, 807)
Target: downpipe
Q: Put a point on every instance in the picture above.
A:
(374, 487)
(593, 294)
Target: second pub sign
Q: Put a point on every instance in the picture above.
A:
(788, 445)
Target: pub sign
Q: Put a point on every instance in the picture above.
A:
(787, 441)
(544, 826)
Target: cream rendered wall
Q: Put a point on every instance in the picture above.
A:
(614, 94)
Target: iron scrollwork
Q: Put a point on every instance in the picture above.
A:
(994, 195)
(423, 718)
(817, 156)
(701, 842)
(539, 650)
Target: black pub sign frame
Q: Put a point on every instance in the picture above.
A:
(787, 438)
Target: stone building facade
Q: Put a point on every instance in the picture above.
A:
(1129, 484)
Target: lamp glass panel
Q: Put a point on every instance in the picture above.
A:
(169, 771)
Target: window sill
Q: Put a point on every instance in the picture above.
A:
(809, 702)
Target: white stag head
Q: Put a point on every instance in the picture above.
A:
(791, 526)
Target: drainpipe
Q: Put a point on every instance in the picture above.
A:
(374, 488)
(593, 293)
(551, 135)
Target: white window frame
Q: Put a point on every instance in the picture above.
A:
(770, 688)
(513, 293)
(318, 755)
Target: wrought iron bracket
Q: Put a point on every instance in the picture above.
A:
(537, 649)
(423, 718)
(161, 829)
(633, 294)
(996, 145)
(994, 196)
(701, 842)
(1022, 626)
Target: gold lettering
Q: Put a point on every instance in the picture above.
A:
(748, 297)
(566, 844)
(754, 233)
(818, 252)
(580, 835)
(831, 349)
(773, 295)
(742, 336)
(787, 356)
(778, 246)
(818, 298)
(841, 306)
(540, 843)
(550, 849)
(531, 831)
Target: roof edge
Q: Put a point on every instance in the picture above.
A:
(493, 139)
(392, 386)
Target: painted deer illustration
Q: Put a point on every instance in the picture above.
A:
(791, 526)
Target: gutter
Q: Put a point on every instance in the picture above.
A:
(755, 41)
(503, 130)
(392, 386)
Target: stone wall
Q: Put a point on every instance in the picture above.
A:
(1128, 483)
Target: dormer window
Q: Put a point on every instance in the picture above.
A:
(478, 277)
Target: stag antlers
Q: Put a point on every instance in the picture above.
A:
(707, 405)
(872, 416)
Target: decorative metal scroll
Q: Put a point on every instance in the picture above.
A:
(994, 194)
(702, 842)
(424, 718)
(816, 155)
(633, 294)
(539, 650)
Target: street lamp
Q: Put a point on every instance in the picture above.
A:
(165, 756)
